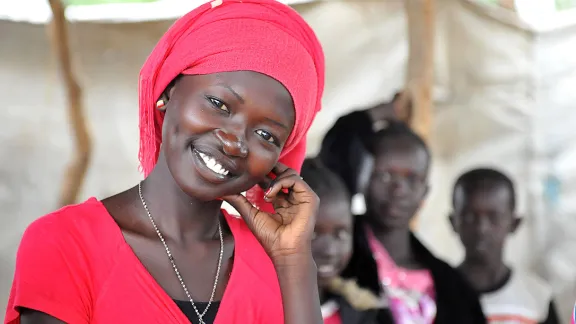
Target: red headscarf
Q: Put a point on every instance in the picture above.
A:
(264, 36)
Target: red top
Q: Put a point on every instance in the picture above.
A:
(330, 313)
(75, 265)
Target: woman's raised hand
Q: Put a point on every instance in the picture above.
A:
(287, 232)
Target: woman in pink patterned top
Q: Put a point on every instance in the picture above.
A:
(415, 286)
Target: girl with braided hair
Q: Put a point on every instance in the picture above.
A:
(343, 301)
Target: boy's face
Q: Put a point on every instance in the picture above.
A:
(332, 243)
(398, 184)
(483, 218)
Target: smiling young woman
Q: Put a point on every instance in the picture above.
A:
(226, 99)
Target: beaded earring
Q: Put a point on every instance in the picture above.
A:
(161, 105)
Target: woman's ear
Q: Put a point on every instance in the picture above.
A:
(453, 222)
(165, 97)
(515, 223)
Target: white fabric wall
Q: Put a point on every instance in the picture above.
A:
(510, 105)
(504, 99)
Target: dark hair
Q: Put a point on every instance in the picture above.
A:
(397, 129)
(473, 179)
(321, 179)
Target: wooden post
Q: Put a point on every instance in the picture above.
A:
(420, 70)
(76, 171)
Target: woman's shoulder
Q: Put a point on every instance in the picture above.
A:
(68, 214)
(73, 228)
(67, 218)
(57, 260)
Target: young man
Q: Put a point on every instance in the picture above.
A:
(484, 215)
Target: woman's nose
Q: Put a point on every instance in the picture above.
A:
(232, 144)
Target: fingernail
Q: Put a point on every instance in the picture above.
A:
(267, 192)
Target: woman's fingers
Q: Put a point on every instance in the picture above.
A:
(254, 218)
(279, 171)
(299, 196)
(292, 183)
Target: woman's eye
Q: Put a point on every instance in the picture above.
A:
(468, 217)
(218, 104)
(343, 235)
(385, 176)
(266, 136)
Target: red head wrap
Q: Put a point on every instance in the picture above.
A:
(264, 36)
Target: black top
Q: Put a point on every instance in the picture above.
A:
(344, 147)
(456, 301)
(188, 310)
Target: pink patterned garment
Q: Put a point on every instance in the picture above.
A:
(409, 293)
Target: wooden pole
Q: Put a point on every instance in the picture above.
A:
(76, 171)
(420, 70)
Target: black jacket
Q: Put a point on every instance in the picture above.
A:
(343, 148)
(456, 302)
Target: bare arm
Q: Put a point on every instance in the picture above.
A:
(298, 283)
(30, 316)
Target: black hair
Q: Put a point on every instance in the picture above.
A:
(473, 179)
(323, 181)
(397, 129)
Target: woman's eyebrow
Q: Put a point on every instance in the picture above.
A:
(224, 85)
(276, 122)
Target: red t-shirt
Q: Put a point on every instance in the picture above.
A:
(75, 265)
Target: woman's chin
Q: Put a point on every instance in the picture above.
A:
(210, 192)
(324, 282)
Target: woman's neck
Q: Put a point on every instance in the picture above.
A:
(397, 243)
(323, 295)
(179, 217)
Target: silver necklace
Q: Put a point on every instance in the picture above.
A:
(171, 258)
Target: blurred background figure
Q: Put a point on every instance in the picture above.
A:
(484, 216)
(388, 259)
(343, 148)
(342, 300)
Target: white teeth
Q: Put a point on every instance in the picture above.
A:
(325, 268)
(213, 165)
